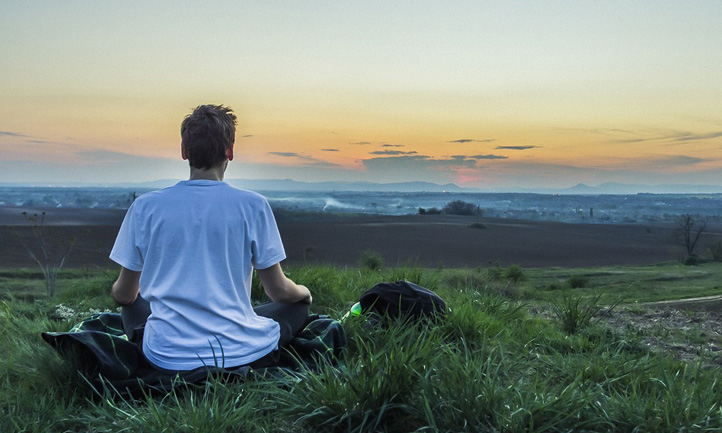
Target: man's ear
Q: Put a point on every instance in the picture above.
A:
(229, 152)
(183, 152)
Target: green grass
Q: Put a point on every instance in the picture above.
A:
(493, 365)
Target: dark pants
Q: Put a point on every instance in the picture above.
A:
(290, 317)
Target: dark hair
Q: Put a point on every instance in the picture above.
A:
(206, 133)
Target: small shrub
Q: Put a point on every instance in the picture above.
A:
(515, 274)
(574, 316)
(430, 211)
(554, 285)
(460, 207)
(372, 260)
(495, 273)
(692, 260)
(506, 291)
(715, 252)
(478, 226)
(466, 281)
(309, 253)
(578, 281)
(414, 273)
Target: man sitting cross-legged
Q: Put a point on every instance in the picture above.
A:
(188, 253)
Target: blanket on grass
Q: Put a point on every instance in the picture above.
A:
(111, 362)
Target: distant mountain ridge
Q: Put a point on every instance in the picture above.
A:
(622, 188)
(292, 185)
(266, 185)
(417, 186)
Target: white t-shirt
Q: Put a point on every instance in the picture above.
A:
(196, 244)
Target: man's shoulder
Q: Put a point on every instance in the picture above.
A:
(222, 190)
(150, 196)
(244, 193)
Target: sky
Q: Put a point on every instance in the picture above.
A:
(488, 95)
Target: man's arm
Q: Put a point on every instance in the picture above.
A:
(280, 288)
(126, 288)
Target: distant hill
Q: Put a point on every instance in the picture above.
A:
(288, 185)
(292, 185)
(623, 188)
(265, 185)
(613, 188)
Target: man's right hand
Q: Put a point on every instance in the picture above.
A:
(280, 288)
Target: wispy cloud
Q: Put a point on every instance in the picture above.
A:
(471, 140)
(404, 167)
(658, 164)
(418, 161)
(309, 160)
(286, 154)
(12, 134)
(38, 141)
(247, 136)
(672, 137)
(329, 150)
(322, 164)
(392, 145)
(393, 152)
(611, 131)
(514, 147)
(487, 157)
(678, 160)
(362, 142)
(101, 156)
(689, 136)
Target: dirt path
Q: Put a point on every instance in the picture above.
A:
(704, 303)
(688, 329)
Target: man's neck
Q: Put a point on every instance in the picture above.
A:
(213, 173)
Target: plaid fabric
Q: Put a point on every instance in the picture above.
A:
(109, 361)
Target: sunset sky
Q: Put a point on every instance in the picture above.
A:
(491, 95)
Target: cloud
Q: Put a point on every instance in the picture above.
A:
(515, 147)
(672, 137)
(329, 150)
(607, 131)
(392, 145)
(417, 167)
(688, 136)
(487, 157)
(418, 161)
(677, 160)
(309, 160)
(247, 136)
(38, 141)
(471, 140)
(101, 156)
(286, 154)
(13, 134)
(392, 152)
(322, 164)
(636, 140)
(362, 142)
(654, 165)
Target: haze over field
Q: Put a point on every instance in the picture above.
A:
(490, 95)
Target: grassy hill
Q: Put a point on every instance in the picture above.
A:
(505, 360)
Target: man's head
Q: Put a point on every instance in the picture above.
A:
(207, 136)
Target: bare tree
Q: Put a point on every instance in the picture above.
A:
(690, 230)
(49, 257)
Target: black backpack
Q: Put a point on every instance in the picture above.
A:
(402, 299)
